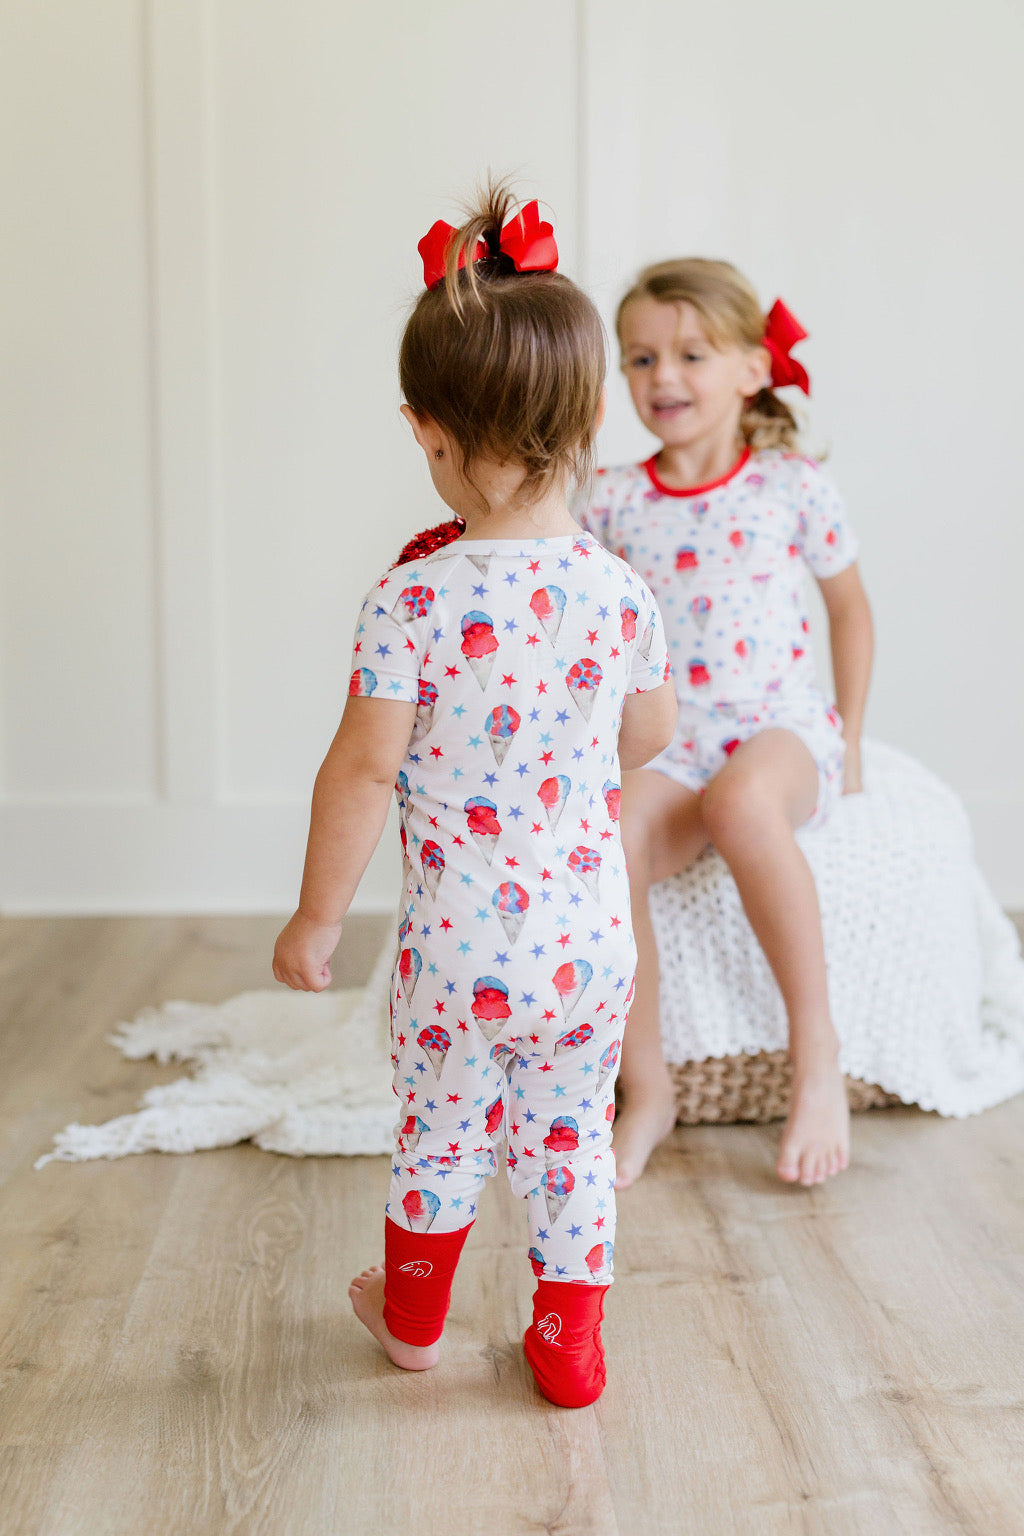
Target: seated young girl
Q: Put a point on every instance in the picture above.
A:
(721, 523)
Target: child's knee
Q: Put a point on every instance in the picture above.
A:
(737, 810)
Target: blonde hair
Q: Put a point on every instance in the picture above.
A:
(731, 315)
(509, 364)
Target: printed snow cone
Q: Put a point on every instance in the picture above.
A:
(495, 1115)
(511, 903)
(609, 1061)
(686, 560)
(435, 1043)
(558, 1185)
(425, 708)
(432, 860)
(420, 1207)
(490, 1005)
(762, 581)
(552, 795)
(548, 605)
(501, 725)
(482, 563)
(571, 981)
(573, 1038)
(700, 611)
(405, 926)
(537, 1262)
(411, 1132)
(362, 683)
(746, 649)
(628, 612)
(413, 603)
(482, 822)
(503, 1056)
(741, 542)
(612, 798)
(583, 679)
(585, 864)
(479, 645)
(564, 1135)
(409, 967)
(648, 639)
(700, 677)
(599, 1261)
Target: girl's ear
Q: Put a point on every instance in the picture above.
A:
(424, 430)
(757, 373)
(602, 408)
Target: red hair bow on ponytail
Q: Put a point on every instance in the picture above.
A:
(782, 331)
(526, 240)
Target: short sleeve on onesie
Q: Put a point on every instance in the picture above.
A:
(650, 667)
(390, 639)
(824, 537)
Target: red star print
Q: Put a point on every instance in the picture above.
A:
(528, 1152)
(599, 1223)
(451, 671)
(410, 1098)
(535, 1039)
(563, 939)
(584, 824)
(548, 1015)
(512, 863)
(592, 636)
(455, 1098)
(427, 659)
(515, 1129)
(463, 1026)
(605, 836)
(439, 1006)
(409, 646)
(401, 1039)
(507, 679)
(534, 566)
(542, 687)
(614, 651)
(616, 921)
(533, 639)
(547, 1067)
(433, 822)
(359, 646)
(536, 827)
(446, 923)
(593, 741)
(546, 874)
(459, 842)
(546, 757)
(453, 1146)
(435, 753)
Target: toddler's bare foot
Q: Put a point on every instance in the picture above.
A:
(645, 1119)
(367, 1296)
(816, 1136)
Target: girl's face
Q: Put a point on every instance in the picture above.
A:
(683, 388)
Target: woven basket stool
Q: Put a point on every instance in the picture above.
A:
(729, 1088)
(926, 985)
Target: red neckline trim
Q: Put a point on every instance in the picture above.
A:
(693, 490)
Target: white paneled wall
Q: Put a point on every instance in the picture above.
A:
(215, 207)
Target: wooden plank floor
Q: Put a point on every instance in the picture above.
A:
(179, 1359)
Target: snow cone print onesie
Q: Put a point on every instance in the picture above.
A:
(516, 955)
(726, 563)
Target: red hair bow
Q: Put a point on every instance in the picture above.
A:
(782, 331)
(526, 240)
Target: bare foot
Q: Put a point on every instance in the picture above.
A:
(816, 1136)
(645, 1119)
(366, 1294)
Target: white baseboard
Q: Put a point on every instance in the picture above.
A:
(95, 859)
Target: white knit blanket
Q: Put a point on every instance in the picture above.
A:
(925, 977)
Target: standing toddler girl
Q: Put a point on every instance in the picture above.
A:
(503, 680)
(722, 523)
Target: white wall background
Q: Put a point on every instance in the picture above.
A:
(214, 208)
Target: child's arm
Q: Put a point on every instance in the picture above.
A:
(350, 805)
(648, 721)
(851, 638)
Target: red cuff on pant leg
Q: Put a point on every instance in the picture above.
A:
(563, 1343)
(418, 1273)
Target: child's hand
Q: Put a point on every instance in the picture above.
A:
(303, 951)
(852, 782)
